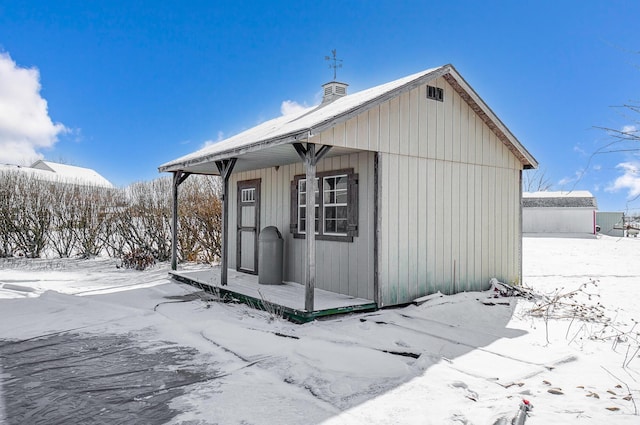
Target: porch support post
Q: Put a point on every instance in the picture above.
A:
(310, 272)
(178, 178)
(310, 157)
(225, 167)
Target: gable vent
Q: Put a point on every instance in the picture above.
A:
(333, 91)
(435, 93)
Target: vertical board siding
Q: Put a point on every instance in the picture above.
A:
(414, 119)
(374, 129)
(457, 247)
(464, 132)
(338, 135)
(403, 124)
(384, 194)
(362, 138)
(392, 234)
(402, 242)
(431, 134)
(457, 233)
(440, 130)
(394, 125)
(422, 117)
(412, 223)
(449, 207)
(384, 138)
(447, 259)
(446, 120)
(440, 211)
(351, 133)
(432, 248)
(422, 227)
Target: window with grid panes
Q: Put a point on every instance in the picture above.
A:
(336, 203)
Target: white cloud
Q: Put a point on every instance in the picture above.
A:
(287, 107)
(578, 149)
(629, 180)
(568, 180)
(213, 142)
(25, 125)
(565, 180)
(629, 129)
(291, 107)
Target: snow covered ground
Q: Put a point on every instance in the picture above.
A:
(463, 359)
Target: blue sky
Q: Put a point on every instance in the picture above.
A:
(130, 85)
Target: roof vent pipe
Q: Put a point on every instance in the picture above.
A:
(333, 90)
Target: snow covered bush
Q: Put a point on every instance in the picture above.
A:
(200, 219)
(42, 217)
(8, 188)
(26, 214)
(80, 219)
(145, 224)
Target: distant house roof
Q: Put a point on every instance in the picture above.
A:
(302, 126)
(573, 199)
(61, 173)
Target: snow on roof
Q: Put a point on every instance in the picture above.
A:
(61, 173)
(300, 125)
(558, 194)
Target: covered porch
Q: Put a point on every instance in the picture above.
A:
(261, 170)
(287, 299)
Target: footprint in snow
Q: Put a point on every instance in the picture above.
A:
(470, 394)
(457, 418)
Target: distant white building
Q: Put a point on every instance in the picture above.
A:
(559, 213)
(611, 223)
(61, 173)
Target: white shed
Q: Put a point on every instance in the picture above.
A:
(419, 190)
(611, 223)
(60, 173)
(559, 213)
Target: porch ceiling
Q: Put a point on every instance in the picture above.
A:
(265, 158)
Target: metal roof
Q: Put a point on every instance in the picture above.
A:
(267, 144)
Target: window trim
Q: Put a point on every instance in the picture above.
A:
(352, 206)
(300, 206)
(335, 204)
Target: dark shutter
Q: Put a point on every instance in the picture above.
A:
(293, 215)
(352, 208)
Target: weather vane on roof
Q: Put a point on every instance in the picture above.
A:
(337, 63)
